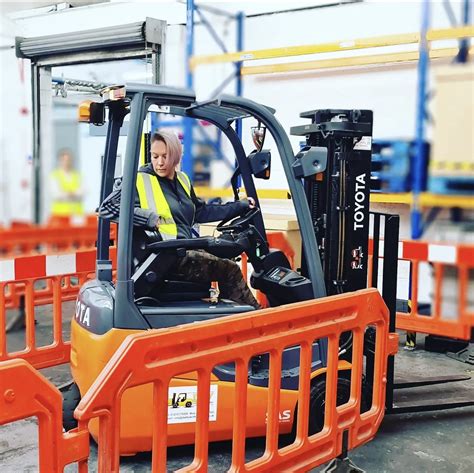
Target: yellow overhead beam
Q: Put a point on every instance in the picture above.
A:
(426, 199)
(353, 61)
(337, 46)
(398, 198)
(450, 33)
(438, 200)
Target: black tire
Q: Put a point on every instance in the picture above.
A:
(71, 398)
(317, 401)
(189, 404)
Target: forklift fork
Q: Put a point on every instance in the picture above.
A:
(389, 294)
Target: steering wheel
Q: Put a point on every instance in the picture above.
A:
(238, 223)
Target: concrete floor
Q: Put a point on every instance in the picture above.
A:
(440, 442)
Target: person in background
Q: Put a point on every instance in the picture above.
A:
(66, 188)
(165, 200)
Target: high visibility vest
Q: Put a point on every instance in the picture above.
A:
(70, 182)
(152, 197)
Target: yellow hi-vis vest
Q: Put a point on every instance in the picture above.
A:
(67, 183)
(152, 197)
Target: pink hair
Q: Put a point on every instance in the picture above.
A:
(173, 145)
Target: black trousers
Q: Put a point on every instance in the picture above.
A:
(200, 266)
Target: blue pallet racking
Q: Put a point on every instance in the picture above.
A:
(392, 163)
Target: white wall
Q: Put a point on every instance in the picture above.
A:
(15, 132)
(389, 91)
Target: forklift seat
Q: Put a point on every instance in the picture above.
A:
(182, 290)
(181, 312)
(152, 270)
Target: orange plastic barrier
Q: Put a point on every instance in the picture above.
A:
(156, 356)
(279, 241)
(61, 277)
(26, 393)
(58, 235)
(452, 267)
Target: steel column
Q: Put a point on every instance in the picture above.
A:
(187, 163)
(420, 156)
(238, 66)
(464, 42)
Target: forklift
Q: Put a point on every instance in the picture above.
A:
(328, 182)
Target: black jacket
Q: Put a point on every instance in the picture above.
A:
(188, 210)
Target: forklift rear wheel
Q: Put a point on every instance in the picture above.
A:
(189, 404)
(71, 399)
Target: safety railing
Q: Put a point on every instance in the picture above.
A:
(26, 393)
(156, 357)
(448, 310)
(27, 283)
(56, 236)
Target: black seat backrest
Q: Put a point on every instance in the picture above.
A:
(154, 281)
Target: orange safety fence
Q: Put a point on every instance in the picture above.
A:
(42, 280)
(56, 236)
(157, 356)
(26, 393)
(449, 271)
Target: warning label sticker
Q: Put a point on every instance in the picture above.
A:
(363, 144)
(182, 404)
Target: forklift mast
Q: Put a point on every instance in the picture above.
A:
(338, 197)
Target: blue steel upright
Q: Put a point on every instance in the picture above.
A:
(188, 124)
(238, 66)
(420, 155)
(463, 53)
(187, 163)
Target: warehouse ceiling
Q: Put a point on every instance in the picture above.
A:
(10, 7)
(250, 7)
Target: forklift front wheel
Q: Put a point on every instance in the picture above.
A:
(317, 400)
(71, 398)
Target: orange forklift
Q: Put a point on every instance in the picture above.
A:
(328, 180)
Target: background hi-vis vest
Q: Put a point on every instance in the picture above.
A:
(70, 182)
(152, 197)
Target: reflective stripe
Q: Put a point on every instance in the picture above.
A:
(152, 197)
(185, 182)
(145, 192)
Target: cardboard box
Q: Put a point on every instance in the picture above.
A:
(453, 133)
